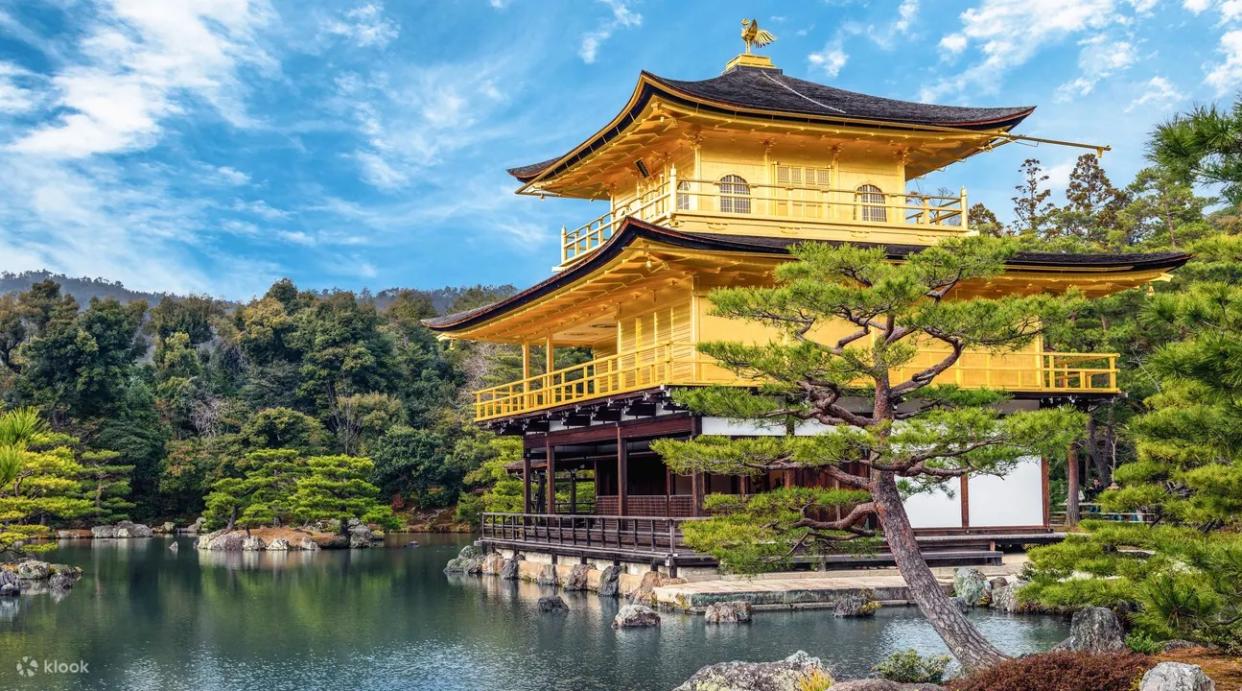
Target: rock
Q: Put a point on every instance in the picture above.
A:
(635, 616)
(196, 527)
(360, 536)
(131, 529)
(857, 604)
(1176, 676)
(547, 575)
(10, 584)
(552, 604)
(972, 586)
(470, 551)
(509, 571)
(998, 582)
(223, 541)
(645, 592)
(1005, 599)
(353, 523)
(493, 563)
(103, 532)
(61, 581)
(474, 567)
(1094, 630)
(960, 602)
(1178, 644)
(278, 545)
(169, 527)
(470, 557)
(174, 547)
(610, 581)
(577, 578)
(882, 685)
(74, 534)
(33, 570)
(253, 543)
(732, 612)
(790, 674)
(308, 545)
(412, 543)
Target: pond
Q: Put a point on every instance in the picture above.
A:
(145, 617)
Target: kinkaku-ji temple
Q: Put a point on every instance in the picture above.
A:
(708, 184)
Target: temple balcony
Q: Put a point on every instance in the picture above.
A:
(680, 364)
(796, 208)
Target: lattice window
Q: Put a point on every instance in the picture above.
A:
(870, 204)
(684, 202)
(734, 195)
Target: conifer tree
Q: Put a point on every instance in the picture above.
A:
(890, 429)
(106, 485)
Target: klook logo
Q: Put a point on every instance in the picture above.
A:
(28, 667)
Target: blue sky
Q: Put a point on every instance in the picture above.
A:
(216, 145)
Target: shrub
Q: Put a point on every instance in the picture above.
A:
(1060, 671)
(1140, 642)
(908, 667)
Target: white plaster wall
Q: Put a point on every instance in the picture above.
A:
(936, 509)
(1016, 499)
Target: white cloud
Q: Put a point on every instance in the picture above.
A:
(1226, 76)
(1099, 59)
(409, 120)
(15, 98)
(622, 17)
(1230, 10)
(1196, 6)
(364, 25)
(498, 4)
(142, 60)
(830, 60)
(907, 12)
(1158, 92)
(232, 175)
(1008, 33)
(296, 237)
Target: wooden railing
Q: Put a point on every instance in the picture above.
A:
(806, 203)
(680, 364)
(658, 365)
(654, 534)
(672, 505)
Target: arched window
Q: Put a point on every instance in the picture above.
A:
(870, 204)
(734, 195)
(683, 196)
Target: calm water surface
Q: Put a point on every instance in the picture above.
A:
(144, 617)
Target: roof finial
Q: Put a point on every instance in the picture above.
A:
(753, 36)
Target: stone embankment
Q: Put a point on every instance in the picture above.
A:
(33, 577)
(633, 582)
(327, 535)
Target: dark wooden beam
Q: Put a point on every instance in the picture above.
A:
(526, 484)
(623, 471)
(551, 473)
(1044, 480)
(965, 484)
(1072, 514)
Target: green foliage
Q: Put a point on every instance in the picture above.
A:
(491, 486)
(106, 485)
(1203, 146)
(40, 482)
(908, 667)
(259, 494)
(336, 487)
(283, 428)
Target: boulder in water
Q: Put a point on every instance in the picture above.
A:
(645, 592)
(635, 616)
(790, 674)
(731, 612)
(33, 570)
(552, 604)
(253, 543)
(547, 575)
(860, 603)
(10, 584)
(174, 547)
(1176, 676)
(278, 545)
(972, 586)
(509, 571)
(308, 545)
(577, 578)
(610, 581)
(360, 536)
(493, 563)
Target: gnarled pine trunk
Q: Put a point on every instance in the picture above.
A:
(970, 648)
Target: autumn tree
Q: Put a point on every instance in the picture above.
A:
(891, 429)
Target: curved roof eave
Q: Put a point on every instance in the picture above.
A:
(650, 85)
(632, 229)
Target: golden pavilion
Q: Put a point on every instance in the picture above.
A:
(708, 183)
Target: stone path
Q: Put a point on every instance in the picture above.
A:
(805, 589)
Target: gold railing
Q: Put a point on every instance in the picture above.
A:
(849, 208)
(680, 364)
(651, 205)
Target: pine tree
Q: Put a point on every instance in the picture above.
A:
(908, 435)
(1092, 205)
(106, 485)
(39, 478)
(1031, 208)
(261, 495)
(336, 488)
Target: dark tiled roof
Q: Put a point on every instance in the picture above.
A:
(633, 229)
(782, 97)
(769, 89)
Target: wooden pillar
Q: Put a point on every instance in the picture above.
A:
(965, 484)
(573, 491)
(1043, 472)
(526, 375)
(525, 482)
(551, 473)
(1071, 491)
(696, 493)
(623, 473)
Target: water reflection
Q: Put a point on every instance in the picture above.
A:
(145, 617)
